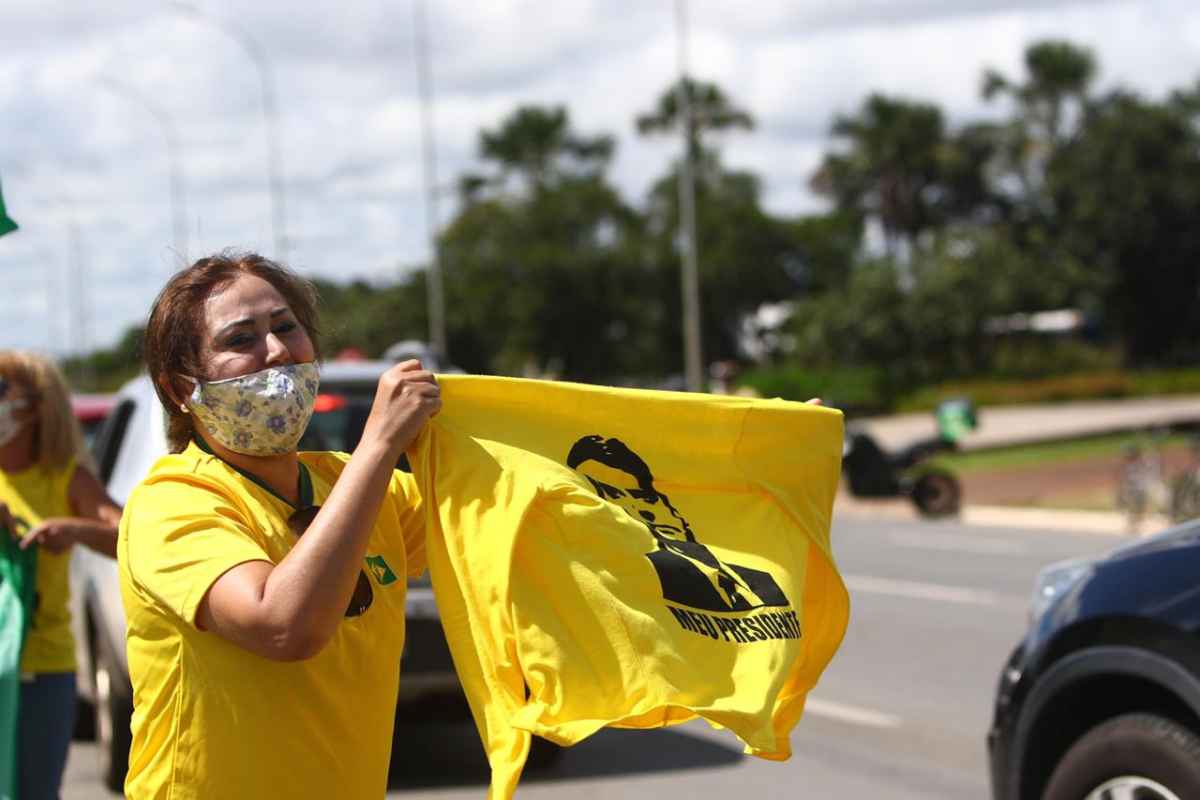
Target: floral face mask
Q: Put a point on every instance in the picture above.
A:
(260, 414)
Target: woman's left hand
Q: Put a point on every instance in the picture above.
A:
(54, 535)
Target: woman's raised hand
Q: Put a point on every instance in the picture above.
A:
(408, 395)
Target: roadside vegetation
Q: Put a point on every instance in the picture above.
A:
(1106, 384)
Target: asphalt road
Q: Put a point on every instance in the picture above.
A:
(901, 713)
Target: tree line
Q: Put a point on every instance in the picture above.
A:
(1063, 197)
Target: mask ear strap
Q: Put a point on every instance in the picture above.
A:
(195, 383)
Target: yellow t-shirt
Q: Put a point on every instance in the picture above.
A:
(212, 720)
(34, 495)
(630, 558)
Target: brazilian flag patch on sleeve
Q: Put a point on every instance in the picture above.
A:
(380, 570)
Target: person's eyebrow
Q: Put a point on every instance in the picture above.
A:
(279, 312)
(235, 324)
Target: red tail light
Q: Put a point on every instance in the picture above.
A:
(328, 402)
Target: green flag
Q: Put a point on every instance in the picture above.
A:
(6, 223)
(18, 569)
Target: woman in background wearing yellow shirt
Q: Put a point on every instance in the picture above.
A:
(264, 588)
(51, 501)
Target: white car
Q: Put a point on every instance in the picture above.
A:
(132, 438)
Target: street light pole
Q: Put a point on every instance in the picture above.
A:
(178, 196)
(435, 290)
(77, 283)
(74, 288)
(693, 363)
(55, 336)
(270, 119)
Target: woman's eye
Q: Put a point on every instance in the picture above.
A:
(286, 327)
(241, 340)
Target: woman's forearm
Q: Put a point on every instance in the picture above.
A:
(306, 593)
(97, 535)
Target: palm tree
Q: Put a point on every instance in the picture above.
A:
(711, 110)
(1059, 75)
(536, 144)
(891, 166)
(1059, 72)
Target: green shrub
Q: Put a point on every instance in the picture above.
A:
(992, 392)
(865, 390)
(853, 389)
(1167, 381)
(1035, 357)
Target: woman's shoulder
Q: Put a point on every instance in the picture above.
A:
(191, 461)
(191, 468)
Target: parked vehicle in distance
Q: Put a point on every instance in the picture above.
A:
(91, 410)
(1101, 699)
(422, 351)
(125, 448)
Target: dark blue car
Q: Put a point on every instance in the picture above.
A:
(1101, 701)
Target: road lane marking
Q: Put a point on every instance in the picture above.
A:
(852, 714)
(921, 591)
(950, 543)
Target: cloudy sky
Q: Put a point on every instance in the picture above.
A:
(84, 164)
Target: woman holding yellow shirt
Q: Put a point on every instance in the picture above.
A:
(264, 588)
(51, 501)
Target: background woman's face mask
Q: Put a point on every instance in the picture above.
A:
(12, 418)
(260, 414)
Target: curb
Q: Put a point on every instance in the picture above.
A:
(1006, 425)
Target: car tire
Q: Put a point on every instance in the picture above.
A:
(937, 493)
(1141, 755)
(114, 709)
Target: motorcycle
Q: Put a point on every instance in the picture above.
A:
(871, 471)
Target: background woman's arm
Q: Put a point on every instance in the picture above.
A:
(93, 526)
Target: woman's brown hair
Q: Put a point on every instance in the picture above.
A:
(171, 347)
(59, 438)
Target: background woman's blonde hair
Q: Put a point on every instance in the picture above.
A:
(59, 437)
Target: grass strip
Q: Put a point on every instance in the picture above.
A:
(1042, 454)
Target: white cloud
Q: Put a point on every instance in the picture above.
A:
(71, 150)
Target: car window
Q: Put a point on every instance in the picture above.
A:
(90, 428)
(337, 422)
(339, 416)
(106, 444)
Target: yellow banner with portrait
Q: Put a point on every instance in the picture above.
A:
(630, 558)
